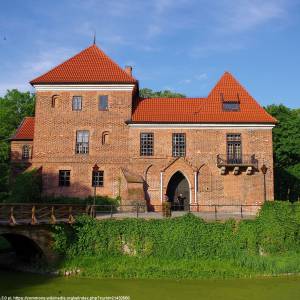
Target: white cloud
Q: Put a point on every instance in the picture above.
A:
(244, 15)
(201, 77)
(35, 66)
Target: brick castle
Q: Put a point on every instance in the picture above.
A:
(92, 129)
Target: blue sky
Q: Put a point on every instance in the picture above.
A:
(181, 45)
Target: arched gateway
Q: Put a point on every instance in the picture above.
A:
(178, 191)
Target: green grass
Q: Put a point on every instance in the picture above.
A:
(18, 284)
(184, 247)
(151, 267)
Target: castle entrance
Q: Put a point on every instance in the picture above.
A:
(178, 191)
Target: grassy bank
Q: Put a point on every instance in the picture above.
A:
(185, 247)
(155, 268)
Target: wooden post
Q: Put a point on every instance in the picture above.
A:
(33, 217)
(52, 217)
(12, 220)
(71, 218)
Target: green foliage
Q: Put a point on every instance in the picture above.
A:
(27, 187)
(192, 268)
(148, 93)
(286, 138)
(185, 247)
(14, 106)
(275, 231)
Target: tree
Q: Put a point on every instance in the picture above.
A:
(148, 93)
(286, 141)
(14, 106)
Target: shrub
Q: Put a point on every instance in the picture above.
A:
(275, 231)
(27, 187)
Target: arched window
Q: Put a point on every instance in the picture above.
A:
(105, 138)
(53, 100)
(26, 152)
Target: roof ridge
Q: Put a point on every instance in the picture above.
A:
(95, 64)
(112, 60)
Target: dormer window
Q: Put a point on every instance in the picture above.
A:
(231, 106)
(230, 102)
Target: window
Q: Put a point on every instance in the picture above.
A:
(231, 106)
(82, 142)
(53, 100)
(25, 152)
(98, 178)
(146, 144)
(234, 148)
(77, 103)
(178, 144)
(103, 102)
(64, 177)
(105, 137)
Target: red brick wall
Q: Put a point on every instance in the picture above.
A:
(202, 147)
(55, 137)
(54, 149)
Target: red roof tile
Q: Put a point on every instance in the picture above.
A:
(91, 65)
(204, 110)
(25, 130)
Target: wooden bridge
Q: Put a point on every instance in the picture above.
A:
(39, 213)
(22, 214)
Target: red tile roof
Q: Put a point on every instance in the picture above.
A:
(25, 130)
(204, 110)
(91, 65)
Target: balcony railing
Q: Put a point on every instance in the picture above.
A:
(245, 160)
(82, 148)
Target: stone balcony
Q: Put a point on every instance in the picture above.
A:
(245, 162)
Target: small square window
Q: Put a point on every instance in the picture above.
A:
(64, 177)
(77, 103)
(98, 178)
(103, 102)
(231, 106)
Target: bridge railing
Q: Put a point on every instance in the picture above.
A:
(33, 213)
(207, 211)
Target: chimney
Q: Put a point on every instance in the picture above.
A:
(128, 70)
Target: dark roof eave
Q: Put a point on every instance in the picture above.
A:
(19, 139)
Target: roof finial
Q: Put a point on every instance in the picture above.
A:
(94, 42)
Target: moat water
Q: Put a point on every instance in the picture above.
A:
(24, 284)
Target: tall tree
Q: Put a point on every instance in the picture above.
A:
(286, 139)
(14, 106)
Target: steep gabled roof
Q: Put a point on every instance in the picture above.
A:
(91, 65)
(25, 131)
(204, 110)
